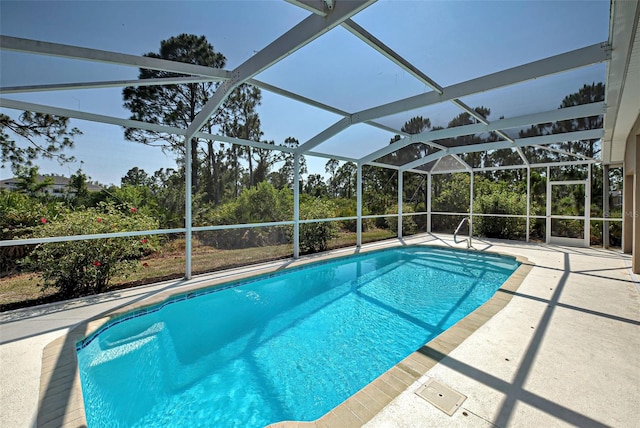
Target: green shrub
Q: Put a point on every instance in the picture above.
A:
(500, 202)
(260, 204)
(315, 237)
(348, 208)
(86, 266)
(409, 226)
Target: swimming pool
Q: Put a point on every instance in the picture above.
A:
(284, 346)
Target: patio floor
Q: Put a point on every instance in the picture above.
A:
(563, 352)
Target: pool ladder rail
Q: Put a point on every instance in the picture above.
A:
(455, 234)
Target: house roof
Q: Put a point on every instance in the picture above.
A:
(58, 181)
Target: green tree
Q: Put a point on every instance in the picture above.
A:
(78, 186)
(265, 159)
(409, 225)
(46, 136)
(450, 194)
(415, 125)
(212, 167)
(381, 184)
(168, 189)
(136, 177)
(591, 148)
(330, 168)
(475, 159)
(240, 119)
(173, 105)
(30, 182)
(284, 176)
(316, 187)
(343, 179)
(586, 95)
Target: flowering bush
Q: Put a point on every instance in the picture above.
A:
(20, 214)
(86, 266)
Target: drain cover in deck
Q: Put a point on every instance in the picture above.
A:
(441, 396)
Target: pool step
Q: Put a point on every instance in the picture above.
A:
(119, 351)
(152, 330)
(118, 348)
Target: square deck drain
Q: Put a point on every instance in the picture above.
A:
(441, 396)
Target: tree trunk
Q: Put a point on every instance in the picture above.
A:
(250, 159)
(209, 184)
(194, 165)
(216, 179)
(236, 172)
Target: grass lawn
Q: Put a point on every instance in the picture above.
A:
(23, 290)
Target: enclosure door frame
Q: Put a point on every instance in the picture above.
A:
(585, 218)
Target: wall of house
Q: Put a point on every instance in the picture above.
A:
(631, 224)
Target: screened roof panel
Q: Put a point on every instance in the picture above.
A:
(449, 163)
(545, 154)
(138, 27)
(439, 115)
(539, 95)
(495, 158)
(427, 167)
(354, 141)
(340, 70)
(458, 41)
(19, 69)
(284, 117)
(468, 140)
(407, 154)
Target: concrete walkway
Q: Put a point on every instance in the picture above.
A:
(564, 352)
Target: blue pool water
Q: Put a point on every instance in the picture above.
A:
(286, 346)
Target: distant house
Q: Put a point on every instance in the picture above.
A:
(60, 186)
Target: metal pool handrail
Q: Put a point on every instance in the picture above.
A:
(455, 234)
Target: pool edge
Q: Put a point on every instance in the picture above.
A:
(60, 402)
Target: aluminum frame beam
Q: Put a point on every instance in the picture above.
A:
(331, 131)
(301, 34)
(128, 123)
(17, 44)
(92, 117)
(390, 54)
(313, 6)
(621, 86)
(519, 142)
(105, 84)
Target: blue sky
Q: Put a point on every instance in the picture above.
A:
(451, 41)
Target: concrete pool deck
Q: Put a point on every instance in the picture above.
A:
(564, 351)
